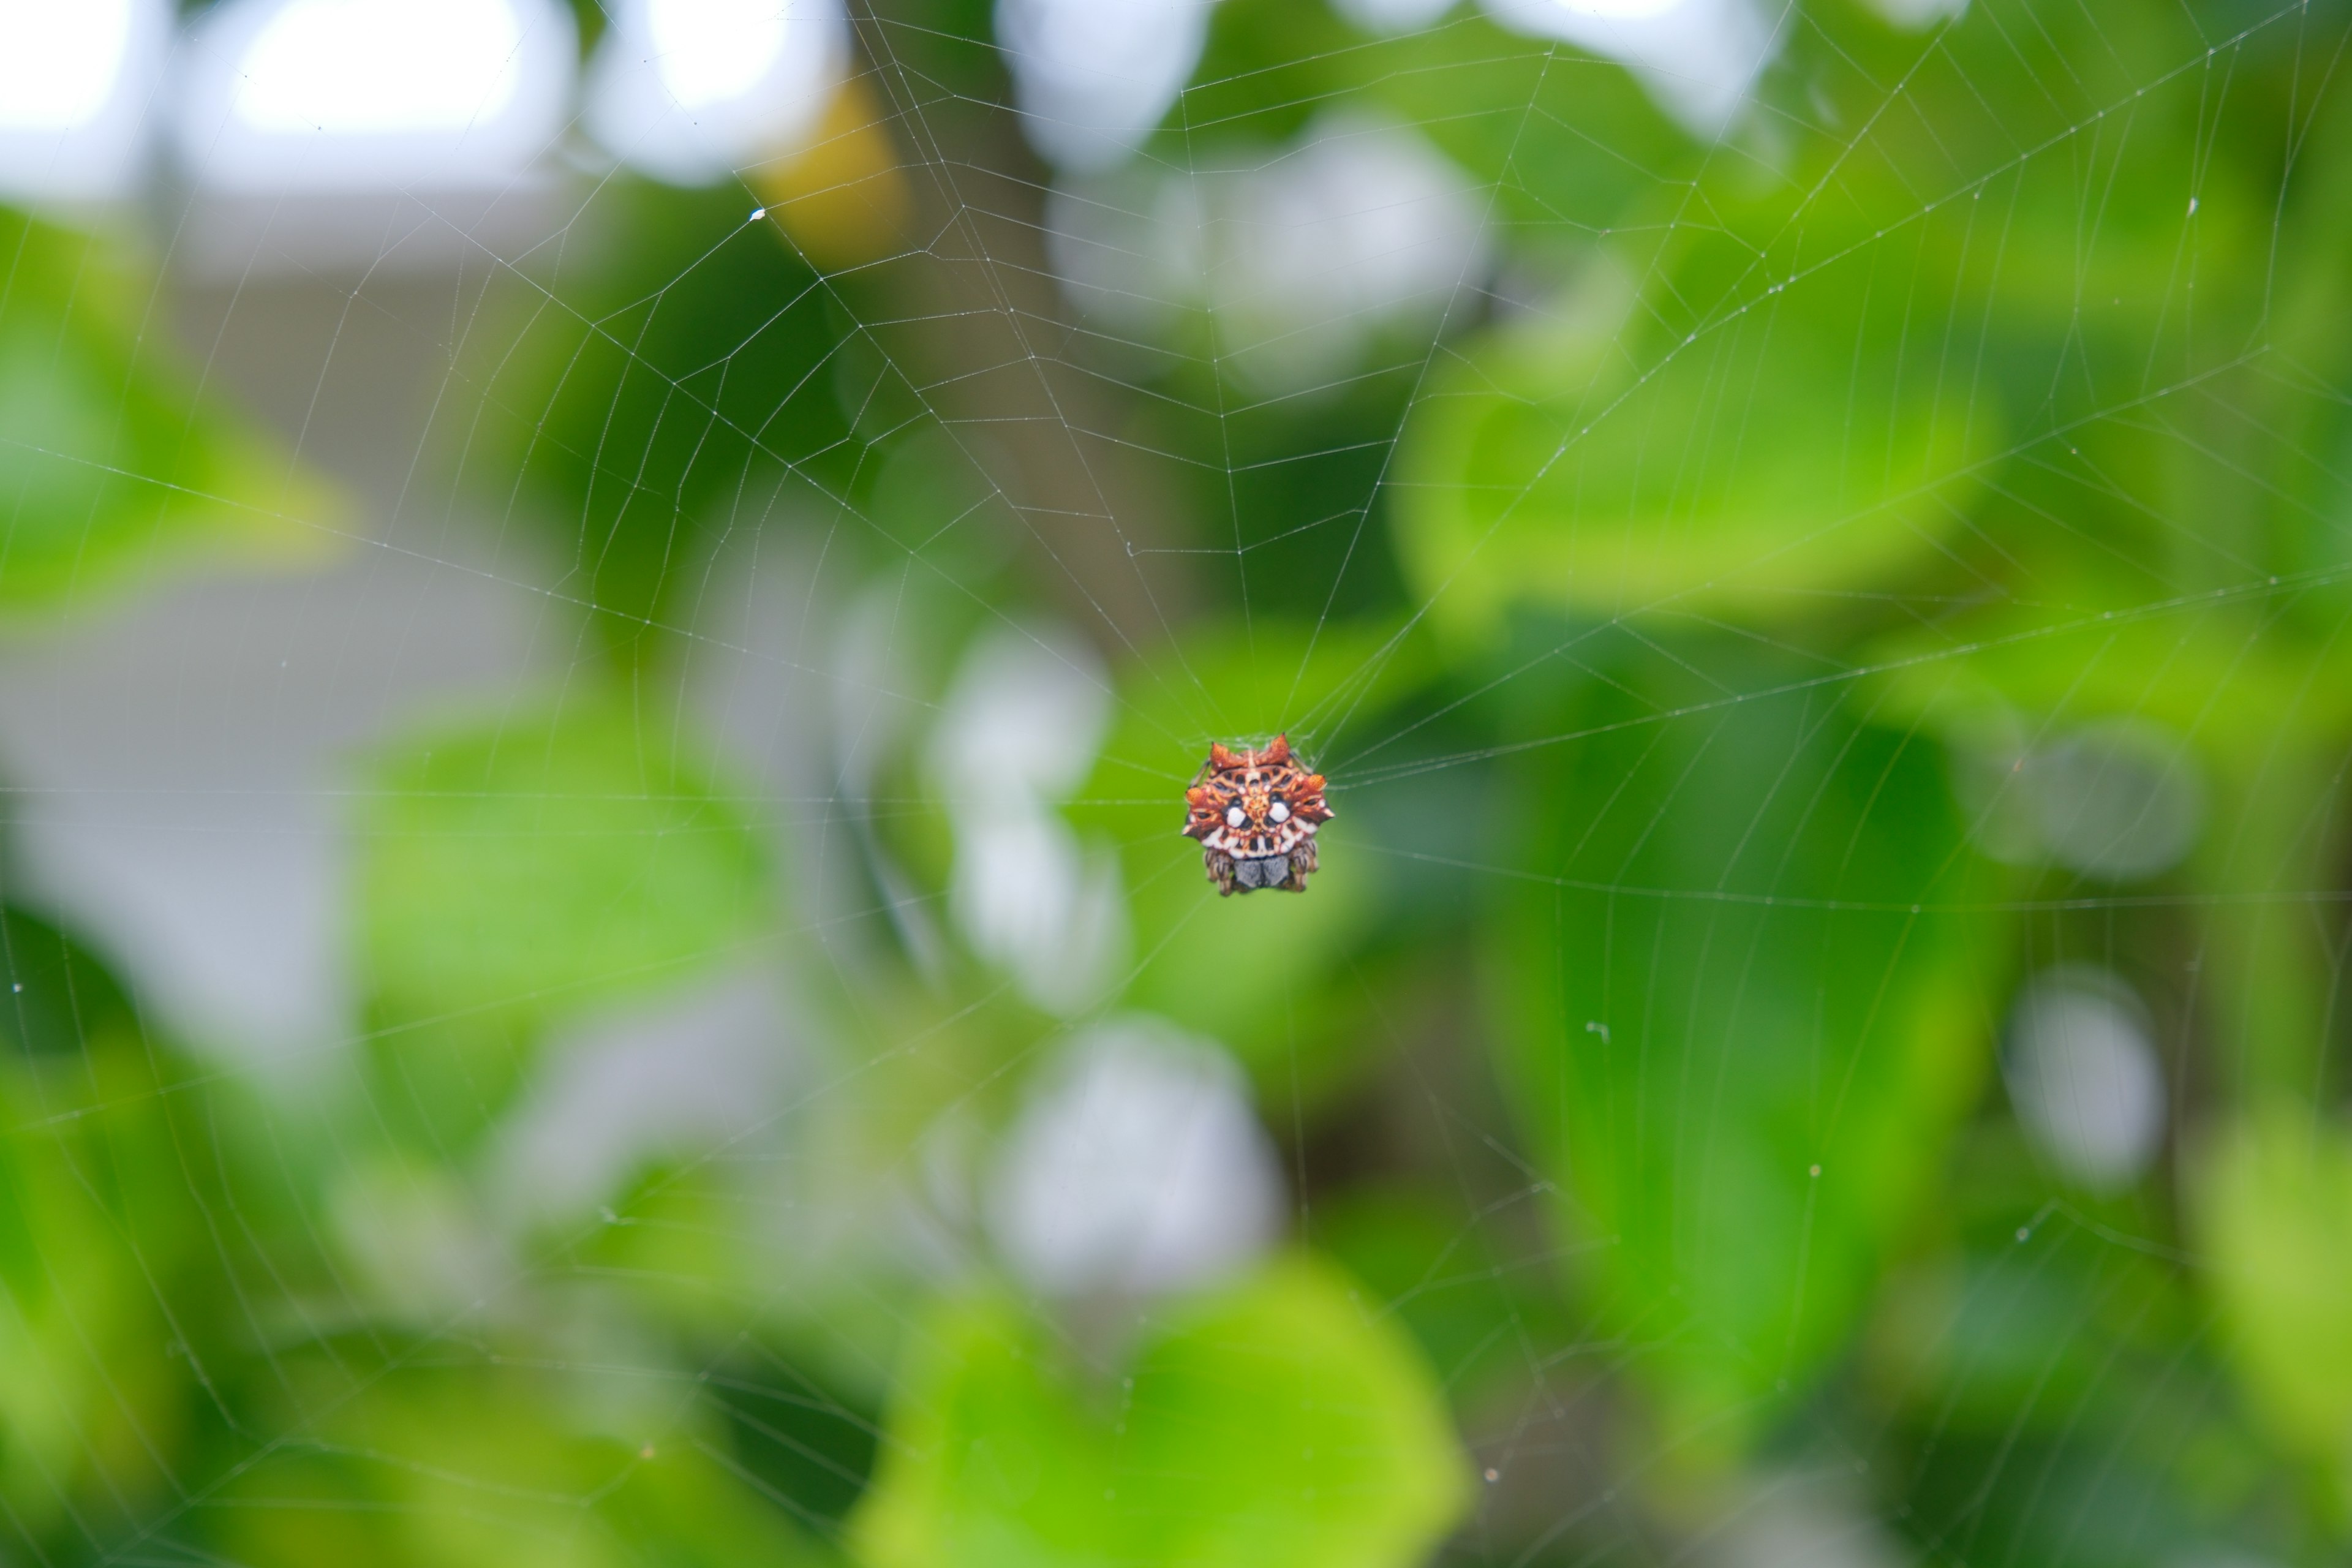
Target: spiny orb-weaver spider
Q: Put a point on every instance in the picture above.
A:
(1255, 813)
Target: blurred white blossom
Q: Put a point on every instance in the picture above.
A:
(1299, 260)
(1137, 1166)
(341, 95)
(1025, 720)
(1392, 16)
(1797, 1519)
(679, 1075)
(1698, 59)
(1018, 732)
(2121, 798)
(692, 90)
(1918, 16)
(2083, 1076)
(415, 1243)
(77, 84)
(806, 690)
(1093, 78)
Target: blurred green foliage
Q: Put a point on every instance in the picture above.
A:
(1804, 447)
(473, 1465)
(531, 866)
(1697, 628)
(1272, 1421)
(112, 465)
(1751, 1142)
(2277, 1222)
(652, 380)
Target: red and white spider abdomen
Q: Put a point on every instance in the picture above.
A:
(1255, 813)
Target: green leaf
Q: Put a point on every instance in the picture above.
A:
(1755, 428)
(1276, 1422)
(469, 1466)
(1476, 1293)
(105, 1278)
(60, 995)
(2232, 679)
(1740, 1014)
(2271, 1204)
(518, 869)
(112, 465)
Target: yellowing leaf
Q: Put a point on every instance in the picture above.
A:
(2272, 1205)
(111, 463)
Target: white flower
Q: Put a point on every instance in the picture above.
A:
(1392, 16)
(2084, 1077)
(691, 90)
(341, 95)
(1020, 731)
(1023, 721)
(1137, 1167)
(2120, 798)
(1093, 78)
(1796, 1519)
(679, 1075)
(1916, 15)
(1299, 260)
(1698, 57)
(76, 83)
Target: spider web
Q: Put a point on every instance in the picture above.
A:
(1679, 838)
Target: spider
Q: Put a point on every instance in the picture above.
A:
(1255, 813)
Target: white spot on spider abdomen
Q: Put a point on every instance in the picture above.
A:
(1235, 816)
